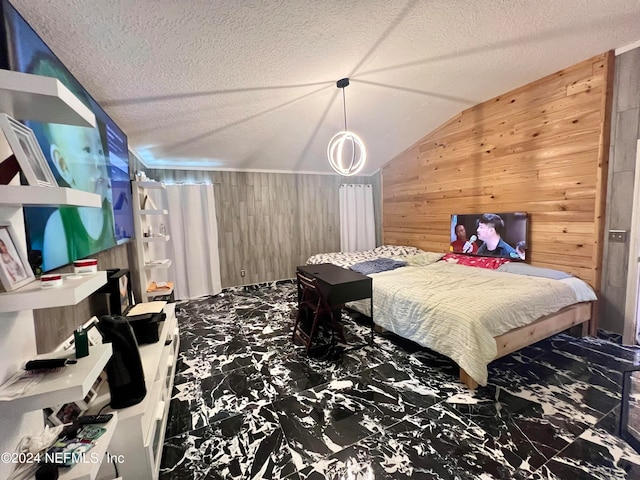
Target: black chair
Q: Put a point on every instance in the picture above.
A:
(314, 308)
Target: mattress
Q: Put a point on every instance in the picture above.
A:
(457, 310)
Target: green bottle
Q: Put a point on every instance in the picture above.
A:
(82, 342)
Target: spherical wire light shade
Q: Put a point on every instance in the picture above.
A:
(346, 153)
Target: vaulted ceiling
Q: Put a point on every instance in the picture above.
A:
(251, 85)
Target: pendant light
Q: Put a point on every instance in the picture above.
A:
(346, 151)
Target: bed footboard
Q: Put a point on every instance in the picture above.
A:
(467, 380)
(513, 340)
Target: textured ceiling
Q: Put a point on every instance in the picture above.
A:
(250, 85)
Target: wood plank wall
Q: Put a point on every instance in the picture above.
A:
(542, 149)
(268, 223)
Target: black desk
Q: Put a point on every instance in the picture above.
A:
(339, 285)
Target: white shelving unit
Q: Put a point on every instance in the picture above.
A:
(154, 212)
(67, 384)
(159, 239)
(164, 263)
(152, 252)
(18, 195)
(44, 99)
(74, 288)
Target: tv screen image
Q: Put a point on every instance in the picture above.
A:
(490, 234)
(95, 160)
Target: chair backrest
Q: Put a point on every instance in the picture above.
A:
(310, 294)
(306, 282)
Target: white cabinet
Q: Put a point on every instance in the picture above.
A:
(153, 253)
(140, 431)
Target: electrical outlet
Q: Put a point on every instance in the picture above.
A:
(242, 273)
(618, 236)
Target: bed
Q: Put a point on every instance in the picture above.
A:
(467, 313)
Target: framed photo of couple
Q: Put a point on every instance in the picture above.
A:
(15, 270)
(25, 147)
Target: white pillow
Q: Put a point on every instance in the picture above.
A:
(526, 269)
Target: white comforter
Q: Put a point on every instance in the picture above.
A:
(457, 310)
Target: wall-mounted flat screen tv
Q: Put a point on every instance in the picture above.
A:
(490, 234)
(90, 159)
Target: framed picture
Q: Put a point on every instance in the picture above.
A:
(67, 413)
(93, 334)
(15, 270)
(63, 414)
(27, 151)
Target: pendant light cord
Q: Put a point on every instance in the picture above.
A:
(344, 109)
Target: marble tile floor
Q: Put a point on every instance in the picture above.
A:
(249, 404)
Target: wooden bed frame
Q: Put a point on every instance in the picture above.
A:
(584, 314)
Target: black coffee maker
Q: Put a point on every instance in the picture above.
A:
(124, 370)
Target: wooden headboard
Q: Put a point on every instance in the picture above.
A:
(541, 149)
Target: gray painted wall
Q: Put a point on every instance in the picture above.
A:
(625, 131)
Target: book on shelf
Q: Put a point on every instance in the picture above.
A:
(146, 308)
